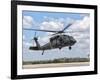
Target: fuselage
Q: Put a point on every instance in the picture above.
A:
(58, 41)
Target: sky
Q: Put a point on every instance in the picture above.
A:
(55, 21)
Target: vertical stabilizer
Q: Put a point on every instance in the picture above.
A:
(37, 43)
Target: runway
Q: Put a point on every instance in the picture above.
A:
(55, 65)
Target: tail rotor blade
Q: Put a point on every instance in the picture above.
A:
(35, 34)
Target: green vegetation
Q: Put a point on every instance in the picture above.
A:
(60, 60)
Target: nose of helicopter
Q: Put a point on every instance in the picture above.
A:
(74, 41)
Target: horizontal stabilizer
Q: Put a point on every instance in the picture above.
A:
(33, 48)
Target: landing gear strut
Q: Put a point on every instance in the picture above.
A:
(43, 52)
(70, 47)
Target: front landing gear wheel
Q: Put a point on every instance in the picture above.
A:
(60, 48)
(70, 47)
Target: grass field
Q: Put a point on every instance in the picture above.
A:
(61, 62)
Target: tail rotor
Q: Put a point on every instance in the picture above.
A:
(34, 38)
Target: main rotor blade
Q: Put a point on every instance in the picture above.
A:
(67, 27)
(41, 30)
(68, 32)
(74, 31)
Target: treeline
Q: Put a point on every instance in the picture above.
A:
(60, 60)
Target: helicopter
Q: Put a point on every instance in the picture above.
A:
(58, 40)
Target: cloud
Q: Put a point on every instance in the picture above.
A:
(83, 40)
(57, 24)
(83, 24)
(28, 21)
(26, 46)
(83, 36)
(42, 40)
(60, 23)
(51, 25)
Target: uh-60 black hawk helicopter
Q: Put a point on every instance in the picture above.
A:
(58, 40)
